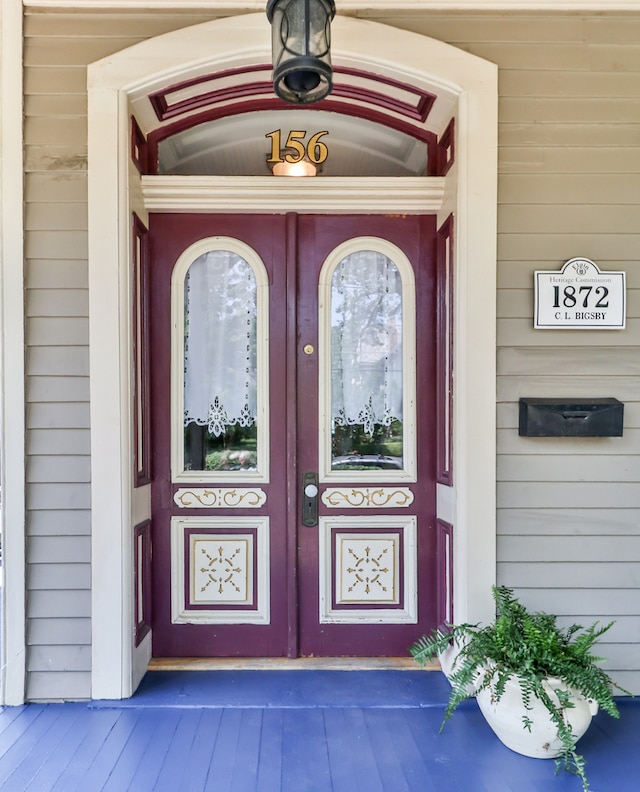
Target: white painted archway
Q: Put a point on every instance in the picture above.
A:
(470, 85)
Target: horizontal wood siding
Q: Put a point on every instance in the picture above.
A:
(57, 49)
(569, 181)
(569, 184)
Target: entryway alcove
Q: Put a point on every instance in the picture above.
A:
(173, 78)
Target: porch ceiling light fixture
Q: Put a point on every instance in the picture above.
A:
(301, 41)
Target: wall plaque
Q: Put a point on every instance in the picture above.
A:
(579, 297)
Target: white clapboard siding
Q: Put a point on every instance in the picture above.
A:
(547, 549)
(59, 631)
(63, 245)
(569, 180)
(509, 443)
(57, 415)
(568, 522)
(568, 84)
(110, 25)
(596, 245)
(624, 577)
(569, 512)
(50, 331)
(60, 105)
(510, 388)
(60, 604)
(58, 389)
(572, 188)
(562, 494)
(470, 28)
(54, 469)
(58, 441)
(603, 134)
(531, 361)
(58, 685)
(59, 575)
(57, 187)
(58, 361)
(79, 51)
(564, 467)
(69, 523)
(71, 274)
(56, 495)
(55, 216)
(53, 79)
(58, 465)
(518, 331)
(63, 131)
(604, 159)
(574, 604)
(47, 658)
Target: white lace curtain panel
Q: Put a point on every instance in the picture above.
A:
(220, 342)
(366, 341)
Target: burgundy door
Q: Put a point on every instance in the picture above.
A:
(293, 493)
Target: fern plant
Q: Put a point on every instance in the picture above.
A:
(531, 647)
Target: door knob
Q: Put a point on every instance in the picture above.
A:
(310, 499)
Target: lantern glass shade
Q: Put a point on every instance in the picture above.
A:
(301, 40)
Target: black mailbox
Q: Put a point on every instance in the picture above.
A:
(570, 417)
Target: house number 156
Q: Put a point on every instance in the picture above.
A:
(295, 149)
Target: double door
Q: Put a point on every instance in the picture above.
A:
(293, 414)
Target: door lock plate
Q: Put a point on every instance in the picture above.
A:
(310, 499)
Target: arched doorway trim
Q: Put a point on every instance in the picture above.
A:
(461, 81)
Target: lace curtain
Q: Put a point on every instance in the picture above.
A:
(220, 342)
(366, 341)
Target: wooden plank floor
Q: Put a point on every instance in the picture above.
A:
(291, 731)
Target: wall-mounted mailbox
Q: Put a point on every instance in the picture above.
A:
(570, 417)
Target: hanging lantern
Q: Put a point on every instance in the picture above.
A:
(301, 38)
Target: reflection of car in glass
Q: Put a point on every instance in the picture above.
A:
(366, 462)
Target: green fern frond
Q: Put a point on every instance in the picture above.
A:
(532, 647)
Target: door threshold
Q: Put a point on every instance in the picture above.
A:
(286, 664)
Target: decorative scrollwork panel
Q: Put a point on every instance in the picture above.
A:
(367, 497)
(220, 498)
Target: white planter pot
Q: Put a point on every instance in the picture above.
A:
(505, 718)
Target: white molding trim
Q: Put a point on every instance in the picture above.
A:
(371, 7)
(12, 358)
(278, 195)
(459, 79)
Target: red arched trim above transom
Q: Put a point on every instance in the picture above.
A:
(217, 89)
(273, 103)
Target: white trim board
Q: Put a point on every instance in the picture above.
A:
(461, 81)
(336, 194)
(371, 7)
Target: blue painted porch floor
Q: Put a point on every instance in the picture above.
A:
(266, 731)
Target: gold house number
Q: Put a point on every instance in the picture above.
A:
(295, 149)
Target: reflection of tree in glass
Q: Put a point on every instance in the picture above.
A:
(366, 349)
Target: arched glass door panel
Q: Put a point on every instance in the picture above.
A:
(220, 321)
(367, 309)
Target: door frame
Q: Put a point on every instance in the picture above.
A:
(470, 192)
